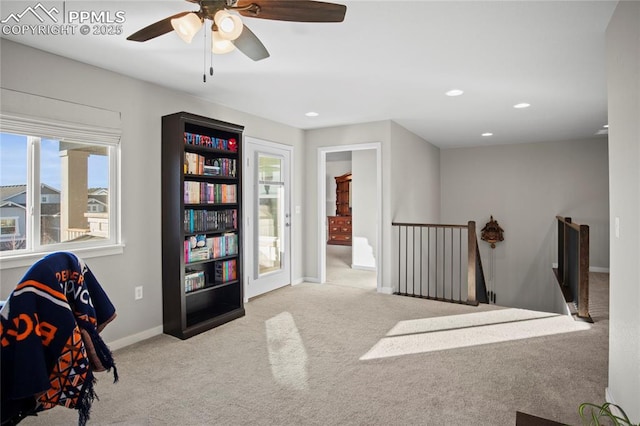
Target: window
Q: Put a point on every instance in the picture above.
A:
(9, 226)
(48, 189)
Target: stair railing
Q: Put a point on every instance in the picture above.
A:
(440, 262)
(572, 272)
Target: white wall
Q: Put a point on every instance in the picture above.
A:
(524, 187)
(141, 106)
(623, 69)
(415, 179)
(413, 195)
(365, 205)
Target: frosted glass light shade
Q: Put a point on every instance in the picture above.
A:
(229, 26)
(187, 26)
(220, 45)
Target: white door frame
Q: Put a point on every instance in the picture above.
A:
(248, 195)
(322, 210)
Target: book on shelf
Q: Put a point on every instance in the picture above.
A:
(225, 270)
(194, 163)
(194, 280)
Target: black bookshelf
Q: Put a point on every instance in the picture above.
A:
(201, 223)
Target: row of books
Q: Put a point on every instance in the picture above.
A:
(198, 248)
(223, 271)
(209, 193)
(194, 280)
(210, 220)
(230, 144)
(223, 245)
(226, 271)
(196, 164)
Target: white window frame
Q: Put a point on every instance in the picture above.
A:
(63, 132)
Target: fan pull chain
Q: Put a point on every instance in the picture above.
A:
(204, 55)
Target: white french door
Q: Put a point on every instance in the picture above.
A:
(268, 216)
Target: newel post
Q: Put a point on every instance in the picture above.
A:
(583, 274)
(471, 263)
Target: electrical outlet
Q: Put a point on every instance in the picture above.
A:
(138, 295)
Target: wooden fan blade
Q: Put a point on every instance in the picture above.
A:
(157, 29)
(297, 11)
(249, 44)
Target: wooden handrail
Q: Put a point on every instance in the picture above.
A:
(567, 221)
(428, 225)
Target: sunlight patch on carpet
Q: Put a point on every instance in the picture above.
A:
(479, 328)
(287, 354)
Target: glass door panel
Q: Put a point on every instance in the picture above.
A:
(271, 214)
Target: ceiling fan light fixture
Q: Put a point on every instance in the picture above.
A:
(229, 26)
(187, 26)
(220, 45)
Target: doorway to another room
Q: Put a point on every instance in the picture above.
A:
(350, 211)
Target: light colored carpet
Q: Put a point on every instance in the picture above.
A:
(340, 272)
(296, 358)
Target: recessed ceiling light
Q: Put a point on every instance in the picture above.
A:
(487, 134)
(312, 114)
(606, 126)
(522, 105)
(454, 92)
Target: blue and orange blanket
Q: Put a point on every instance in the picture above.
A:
(50, 344)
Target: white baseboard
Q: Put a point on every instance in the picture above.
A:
(386, 290)
(135, 338)
(310, 280)
(591, 268)
(364, 268)
(607, 396)
(298, 281)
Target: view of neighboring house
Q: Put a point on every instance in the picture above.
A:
(98, 200)
(13, 214)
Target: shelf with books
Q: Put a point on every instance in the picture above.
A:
(209, 287)
(209, 166)
(196, 192)
(202, 230)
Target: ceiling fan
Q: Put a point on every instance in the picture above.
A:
(227, 29)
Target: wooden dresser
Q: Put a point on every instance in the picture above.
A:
(339, 230)
(340, 224)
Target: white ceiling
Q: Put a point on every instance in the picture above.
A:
(388, 60)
